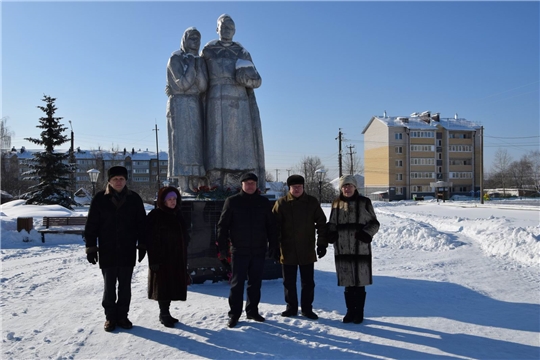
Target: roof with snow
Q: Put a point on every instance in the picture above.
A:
(425, 121)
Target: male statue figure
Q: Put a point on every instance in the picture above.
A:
(186, 79)
(233, 143)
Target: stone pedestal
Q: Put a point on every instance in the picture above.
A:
(203, 263)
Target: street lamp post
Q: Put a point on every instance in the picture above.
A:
(320, 176)
(93, 174)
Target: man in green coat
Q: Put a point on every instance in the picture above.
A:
(298, 217)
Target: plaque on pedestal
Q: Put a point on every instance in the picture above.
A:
(203, 263)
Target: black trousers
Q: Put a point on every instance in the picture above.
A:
(250, 268)
(117, 308)
(307, 282)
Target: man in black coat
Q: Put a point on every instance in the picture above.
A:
(115, 229)
(247, 221)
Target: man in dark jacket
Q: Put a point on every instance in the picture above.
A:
(247, 221)
(298, 215)
(115, 229)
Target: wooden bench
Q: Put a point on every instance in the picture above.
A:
(63, 225)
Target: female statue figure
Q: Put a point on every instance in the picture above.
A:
(186, 79)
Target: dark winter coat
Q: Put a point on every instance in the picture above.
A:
(167, 240)
(115, 227)
(354, 223)
(247, 221)
(297, 220)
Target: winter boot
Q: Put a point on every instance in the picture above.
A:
(360, 300)
(164, 315)
(349, 302)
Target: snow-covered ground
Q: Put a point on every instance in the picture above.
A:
(451, 280)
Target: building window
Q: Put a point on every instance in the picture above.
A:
(422, 134)
(439, 142)
(461, 162)
(439, 169)
(399, 191)
(460, 148)
(399, 163)
(140, 171)
(422, 175)
(461, 175)
(422, 161)
(399, 177)
(398, 136)
(422, 148)
(399, 149)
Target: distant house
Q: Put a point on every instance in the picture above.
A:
(142, 166)
(405, 155)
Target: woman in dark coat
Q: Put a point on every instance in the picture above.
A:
(351, 228)
(167, 241)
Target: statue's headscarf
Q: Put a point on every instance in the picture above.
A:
(186, 35)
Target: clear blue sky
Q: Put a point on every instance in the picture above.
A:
(324, 66)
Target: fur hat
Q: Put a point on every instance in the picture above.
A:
(249, 176)
(117, 171)
(295, 180)
(347, 179)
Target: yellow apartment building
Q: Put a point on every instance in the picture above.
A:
(411, 157)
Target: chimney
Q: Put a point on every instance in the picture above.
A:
(436, 117)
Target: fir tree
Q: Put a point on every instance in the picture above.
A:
(51, 169)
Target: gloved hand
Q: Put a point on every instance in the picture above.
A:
(92, 258)
(321, 251)
(332, 237)
(363, 236)
(142, 254)
(154, 268)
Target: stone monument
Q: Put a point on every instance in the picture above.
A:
(221, 81)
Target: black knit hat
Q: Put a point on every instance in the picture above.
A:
(117, 171)
(295, 180)
(249, 176)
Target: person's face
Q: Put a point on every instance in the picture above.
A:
(249, 186)
(193, 43)
(170, 202)
(296, 190)
(226, 30)
(118, 183)
(348, 190)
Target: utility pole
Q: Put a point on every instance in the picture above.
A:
(340, 139)
(72, 160)
(481, 165)
(277, 172)
(288, 172)
(351, 171)
(157, 156)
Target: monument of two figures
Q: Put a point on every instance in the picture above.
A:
(213, 121)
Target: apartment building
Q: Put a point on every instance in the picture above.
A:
(407, 157)
(142, 166)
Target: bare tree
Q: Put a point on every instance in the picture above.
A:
(521, 172)
(5, 134)
(307, 168)
(534, 159)
(501, 167)
(268, 176)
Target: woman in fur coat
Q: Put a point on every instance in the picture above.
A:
(167, 240)
(351, 228)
